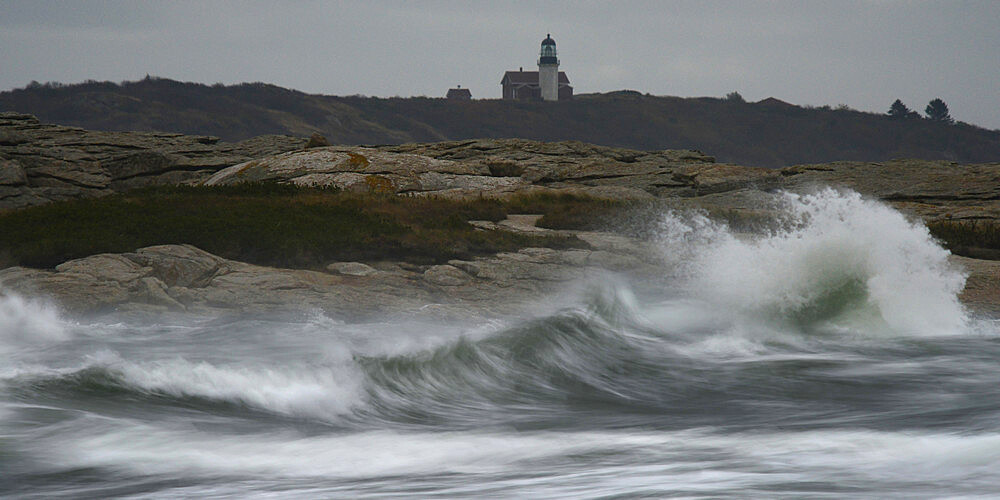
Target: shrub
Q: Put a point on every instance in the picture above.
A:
(317, 141)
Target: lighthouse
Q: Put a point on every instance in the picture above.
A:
(548, 83)
(548, 70)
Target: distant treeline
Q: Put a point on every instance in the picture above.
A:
(767, 133)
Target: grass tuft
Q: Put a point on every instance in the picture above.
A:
(569, 211)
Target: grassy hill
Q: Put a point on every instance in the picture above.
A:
(765, 134)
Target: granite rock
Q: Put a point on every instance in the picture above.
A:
(48, 162)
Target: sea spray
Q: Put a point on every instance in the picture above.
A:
(839, 261)
(24, 322)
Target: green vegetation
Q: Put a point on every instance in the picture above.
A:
(317, 141)
(937, 111)
(267, 224)
(770, 133)
(735, 97)
(899, 111)
(568, 211)
(972, 238)
(287, 226)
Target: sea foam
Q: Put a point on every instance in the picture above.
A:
(838, 261)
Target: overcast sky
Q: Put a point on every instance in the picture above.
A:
(861, 53)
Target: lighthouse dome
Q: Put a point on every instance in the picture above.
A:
(548, 52)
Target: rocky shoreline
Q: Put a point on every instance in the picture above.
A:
(182, 278)
(41, 163)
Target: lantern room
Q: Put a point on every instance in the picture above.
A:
(548, 52)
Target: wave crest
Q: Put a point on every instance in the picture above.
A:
(839, 261)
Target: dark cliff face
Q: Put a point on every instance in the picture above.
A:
(768, 134)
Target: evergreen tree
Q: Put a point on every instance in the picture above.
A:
(899, 111)
(937, 111)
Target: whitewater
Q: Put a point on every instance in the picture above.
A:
(828, 357)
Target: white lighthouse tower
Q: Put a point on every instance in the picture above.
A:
(548, 70)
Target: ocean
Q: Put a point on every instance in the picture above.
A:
(827, 358)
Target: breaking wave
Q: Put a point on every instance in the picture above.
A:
(838, 265)
(835, 340)
(26, 322)
(839, 262)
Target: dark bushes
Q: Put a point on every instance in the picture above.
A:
(979, 239)
(268, 224)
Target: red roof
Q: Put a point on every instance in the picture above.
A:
(528, 77)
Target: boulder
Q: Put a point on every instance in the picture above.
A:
(141, 163)
(153, 291)
(105, 267)
(179, 265)
(715, 178)
(351, 269)
(346, 168)
(446, 275)
(52, 162)
(12, 174)
(75, 292)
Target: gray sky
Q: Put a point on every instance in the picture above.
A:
(861, 53)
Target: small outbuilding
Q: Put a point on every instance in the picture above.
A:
(775, 103)
(459, 94)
